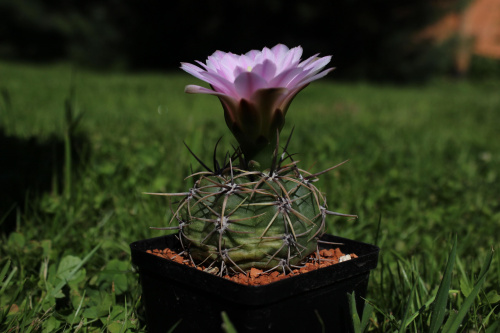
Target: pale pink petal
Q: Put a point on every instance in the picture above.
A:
(296, 53)
(219, 83)
(247, 83)
(317, 76)
(282, 79)
(219, 54)
(279, 52)
(193, 70)
(266, 70)
(194, 89)
(229, 61)
(290, 59)
(228, 64)
(267, 54)
(213, 61)
(224, 73)
(246, 62)
(252, 54)
(238, 70)
(304, 74)
(190, 67)
(319, 64)
(207, 68)
(308, 60)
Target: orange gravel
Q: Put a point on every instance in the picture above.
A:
(254, 276)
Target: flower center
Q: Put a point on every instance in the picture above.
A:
(249, 68)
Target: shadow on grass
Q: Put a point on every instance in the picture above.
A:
(30, 167)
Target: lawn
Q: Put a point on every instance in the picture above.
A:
(424, 168)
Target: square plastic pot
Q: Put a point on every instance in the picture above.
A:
(311, 302)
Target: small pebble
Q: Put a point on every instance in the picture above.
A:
(345, 258)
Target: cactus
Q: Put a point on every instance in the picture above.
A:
(234, 219)
(265, 212)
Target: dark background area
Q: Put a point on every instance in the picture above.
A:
(372, 40)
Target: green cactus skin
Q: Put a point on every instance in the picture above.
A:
(233, 219)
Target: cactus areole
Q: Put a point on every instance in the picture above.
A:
(258, 208)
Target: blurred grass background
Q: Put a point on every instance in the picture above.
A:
(93, 114)
(424, 159)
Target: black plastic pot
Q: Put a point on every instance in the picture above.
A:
(307, 302)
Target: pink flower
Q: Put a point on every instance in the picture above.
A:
(256, 89)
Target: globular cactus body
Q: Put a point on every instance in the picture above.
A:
(233, 219)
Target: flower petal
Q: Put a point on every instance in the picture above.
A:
(283, 78)
(267, 54)
(279, 51)
(194, 89)
(247, 83)
(229, 103)
(316, 77)
(252, 54)
(192, 69)
(315, 62)
(227, 64)
(266, 70)
(305, 73)
(290, 59)
(219, 83)
(238, 70)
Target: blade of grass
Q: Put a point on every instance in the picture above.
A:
(388, 318)
(439, 306)
(67, 149)
(487, 318)
(4, 314)
(424, 308)
(365, 318)
(227, 325)
(172, 329)
(404, 320)
(4, 270)
(495, 327)
(7, 281)
(453, 323)
(61, 284)
(451, 318)
(77, 310)
(322, 323)
(377, 234)
(125, 318)
(356, 322)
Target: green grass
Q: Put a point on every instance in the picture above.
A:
(424, 160)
